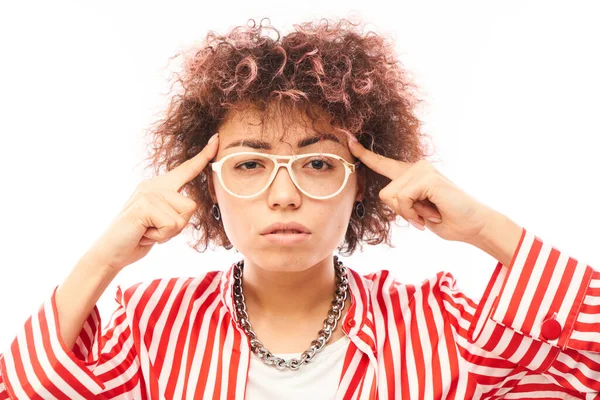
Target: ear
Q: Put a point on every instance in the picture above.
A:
(361, 183)
(211, 187)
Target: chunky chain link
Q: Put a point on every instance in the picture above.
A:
(329, 324)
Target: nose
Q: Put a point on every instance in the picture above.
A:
(283, 192)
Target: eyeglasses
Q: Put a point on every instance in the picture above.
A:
(317, 175)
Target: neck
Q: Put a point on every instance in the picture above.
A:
(284, 295)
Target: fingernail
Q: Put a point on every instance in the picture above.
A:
(213, 137)
(416, 225)
(434, 219)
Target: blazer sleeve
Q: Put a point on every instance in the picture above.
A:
(537, 323)
(104, 361)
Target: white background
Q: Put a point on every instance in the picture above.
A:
(511, 100)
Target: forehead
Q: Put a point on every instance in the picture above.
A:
(278, 128)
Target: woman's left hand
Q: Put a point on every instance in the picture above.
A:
(419, 191)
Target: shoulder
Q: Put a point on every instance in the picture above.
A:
(152, 291)
(384, 283)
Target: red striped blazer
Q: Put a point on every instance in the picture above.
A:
(535, 333)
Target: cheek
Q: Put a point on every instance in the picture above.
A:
(337, 216)
(234, 213)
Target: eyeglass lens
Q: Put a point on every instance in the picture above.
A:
(318, 175)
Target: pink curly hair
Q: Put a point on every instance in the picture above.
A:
(321, 66)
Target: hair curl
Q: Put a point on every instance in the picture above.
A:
(325, 65)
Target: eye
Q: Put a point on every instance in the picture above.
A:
(320, 164)
(248, 164)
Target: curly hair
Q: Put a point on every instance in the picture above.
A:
(330, 66)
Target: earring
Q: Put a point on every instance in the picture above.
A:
(359, 209)
(216, 212)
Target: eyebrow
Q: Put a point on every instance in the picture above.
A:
(259, 144)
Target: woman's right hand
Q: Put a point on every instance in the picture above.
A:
(156, 212)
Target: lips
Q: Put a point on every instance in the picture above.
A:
(286, 234)
(285, 228)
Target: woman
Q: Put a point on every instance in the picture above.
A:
(334, 109)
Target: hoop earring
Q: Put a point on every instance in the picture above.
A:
(216, 212)
(359, 209)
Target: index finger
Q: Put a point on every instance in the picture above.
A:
(190, 168)
(382, 165)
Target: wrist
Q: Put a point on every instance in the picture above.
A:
(499, 238)
(97, 267)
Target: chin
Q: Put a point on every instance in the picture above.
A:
(284, 259)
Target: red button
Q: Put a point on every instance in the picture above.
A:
(551, 329)
(351, 322)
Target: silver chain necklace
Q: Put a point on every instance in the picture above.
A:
(329, 324)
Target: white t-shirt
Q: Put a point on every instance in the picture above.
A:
(318, 379)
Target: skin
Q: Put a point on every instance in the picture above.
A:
(288, 290)
(286, 286)
(285, 319)
(422, 195)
